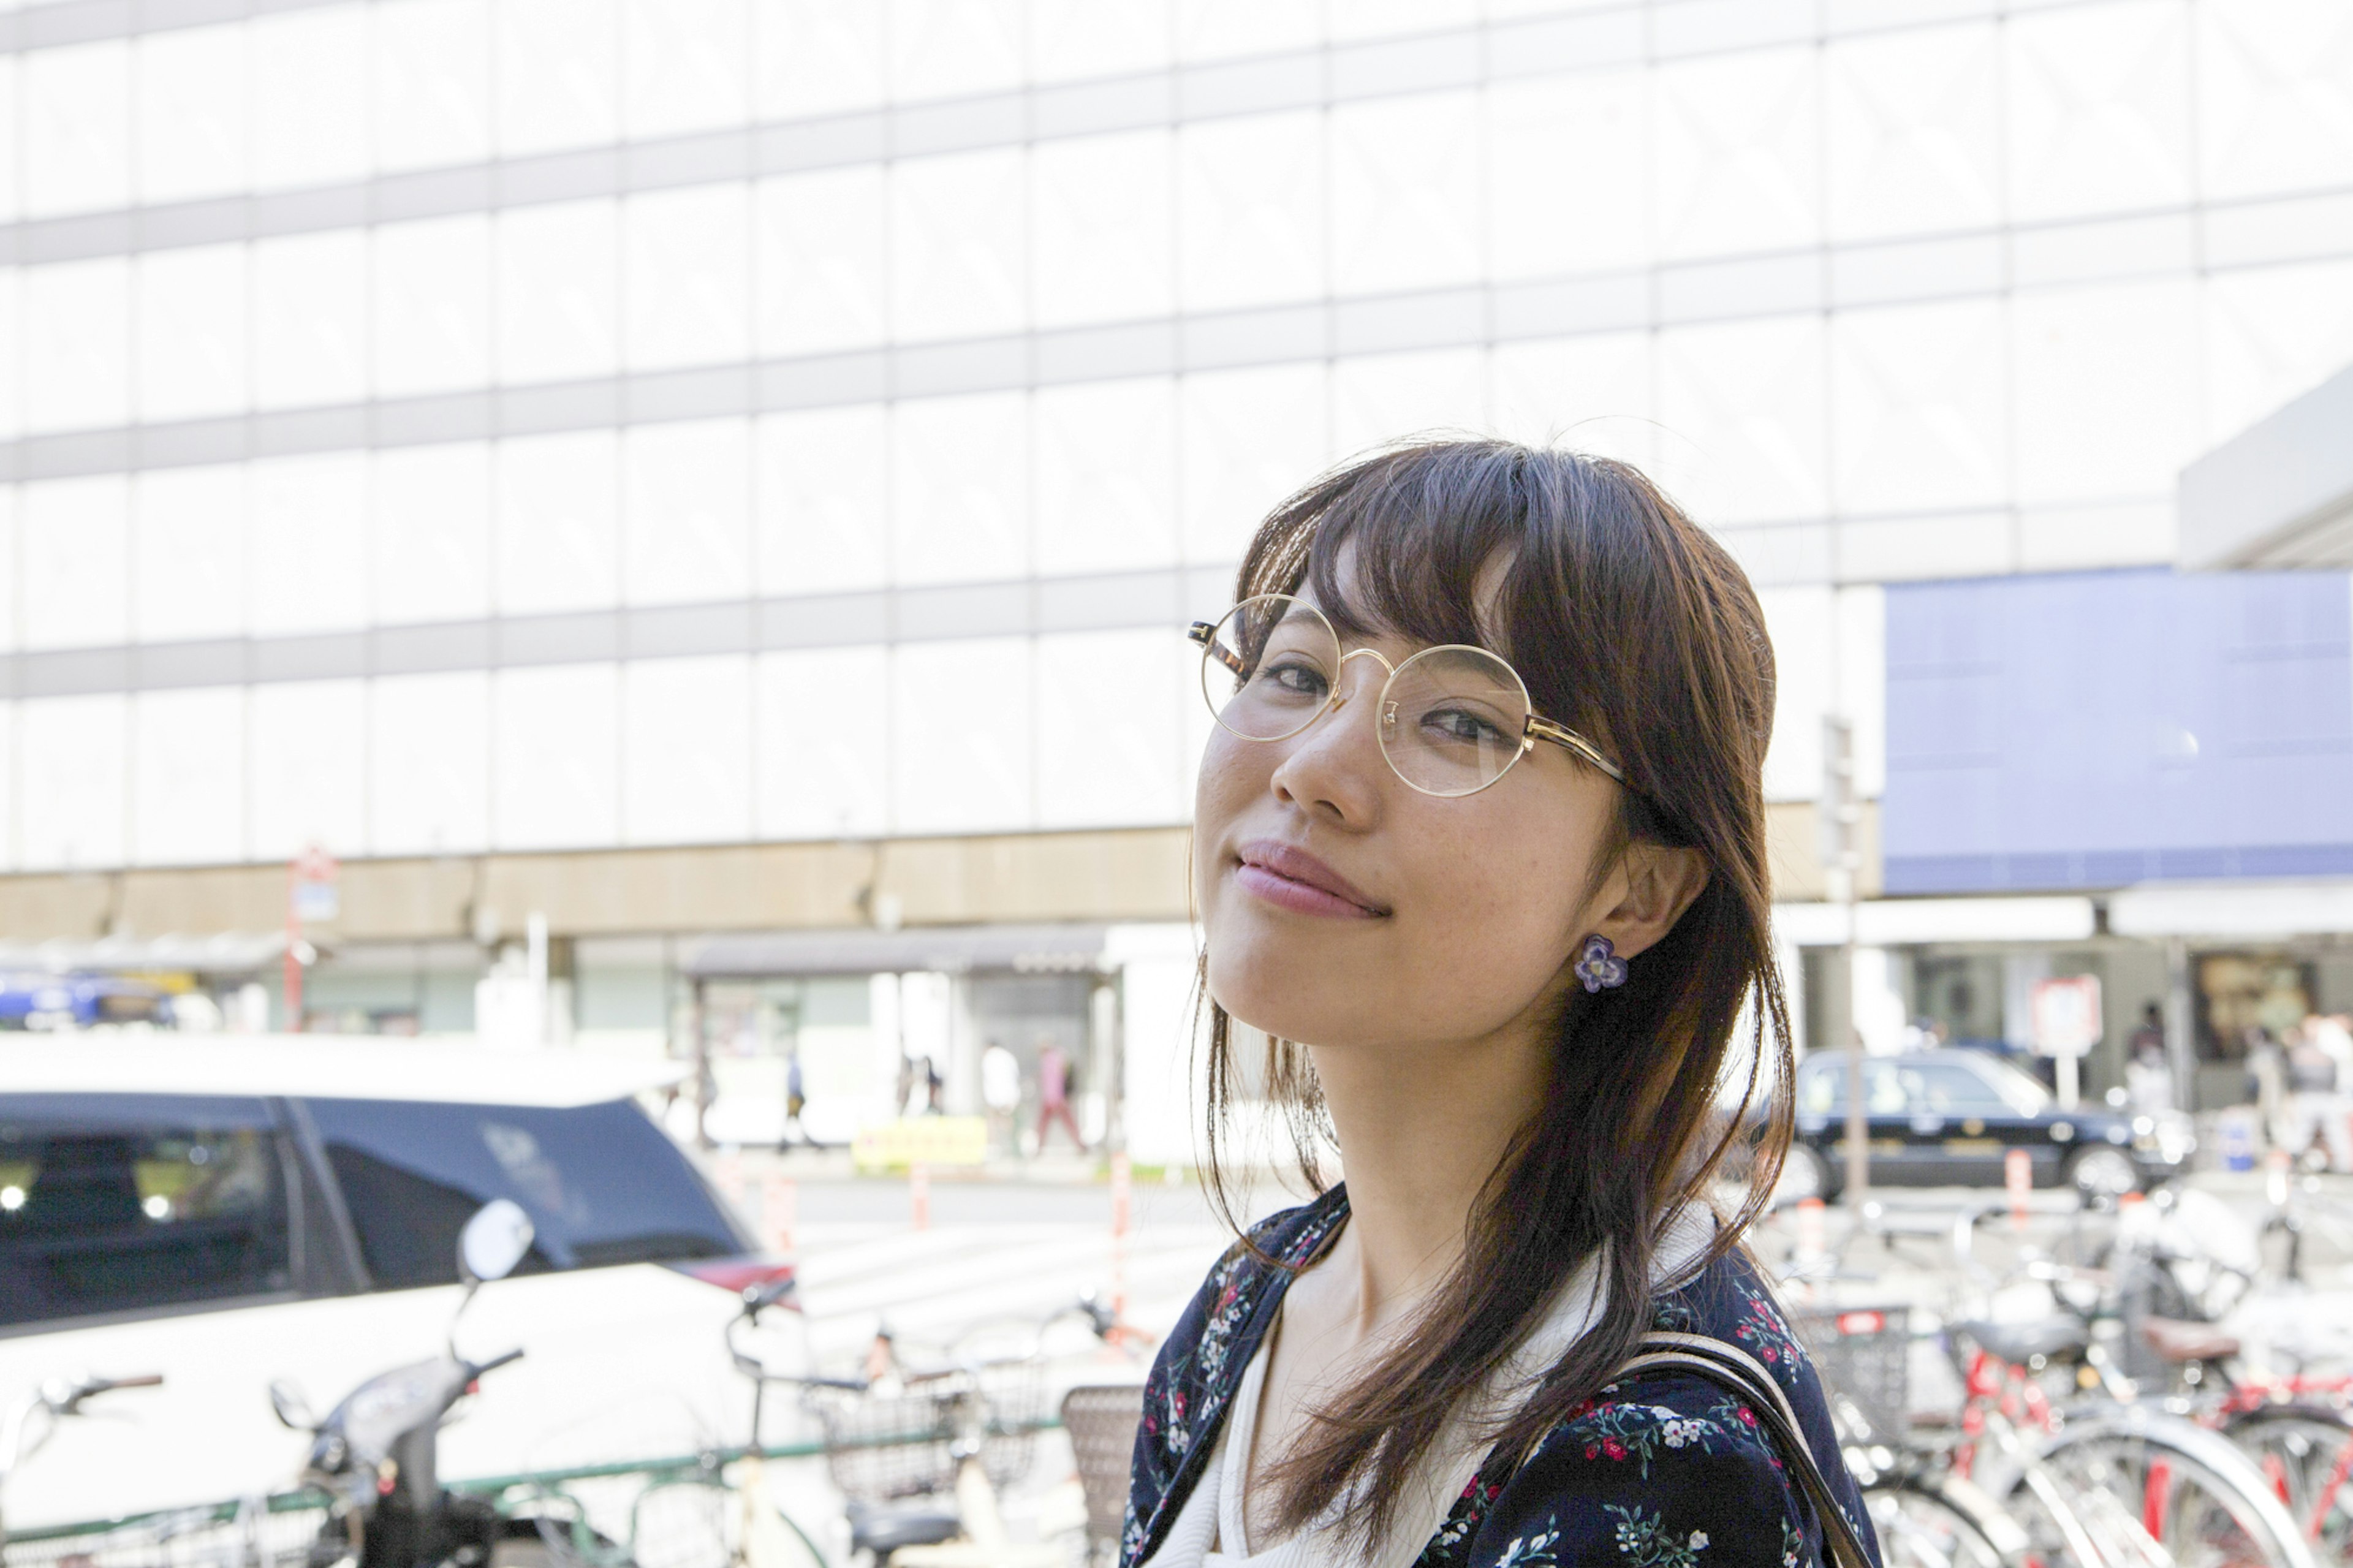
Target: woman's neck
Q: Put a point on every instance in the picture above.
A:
(1421, 1129)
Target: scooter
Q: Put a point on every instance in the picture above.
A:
(376, 1454)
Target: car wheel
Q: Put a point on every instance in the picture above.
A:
(2103, 1172)
(1805, 1174)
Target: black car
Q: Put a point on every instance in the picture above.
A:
(1942, 1118)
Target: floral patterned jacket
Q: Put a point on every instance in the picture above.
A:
(1663, 1470)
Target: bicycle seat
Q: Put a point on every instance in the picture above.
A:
(2018, 1344)
(883, 1530)
(2178, 1339)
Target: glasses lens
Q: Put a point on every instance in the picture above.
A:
(1269, 670)
(1453, 720)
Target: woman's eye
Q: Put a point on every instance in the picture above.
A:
(1460, 727)
(1294, 678)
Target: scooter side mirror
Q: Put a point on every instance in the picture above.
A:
(292, 1410)
(497, 1237)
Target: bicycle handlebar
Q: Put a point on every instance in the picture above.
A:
(496, 1362)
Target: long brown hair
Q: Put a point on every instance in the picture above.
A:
(1631, 626)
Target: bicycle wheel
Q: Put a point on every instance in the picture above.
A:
(2306, 1453)
(1930, 1522)
(2134, 1476)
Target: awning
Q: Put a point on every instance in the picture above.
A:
(226, 953)
(1909, 923)
(947, 949)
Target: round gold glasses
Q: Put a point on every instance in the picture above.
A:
(1452, 720)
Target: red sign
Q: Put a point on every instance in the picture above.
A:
(2066, 1016)
(313, 896)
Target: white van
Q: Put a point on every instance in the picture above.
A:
(226, 1213)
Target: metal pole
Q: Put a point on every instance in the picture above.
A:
(702, 1067)
(1842, 858)
(1858, 1120)
(1115, 1107)
(293, 959)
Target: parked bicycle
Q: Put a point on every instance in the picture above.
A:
(2175, 1276)
(921, 1450)
(2029, 1468)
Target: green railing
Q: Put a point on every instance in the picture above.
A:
(708, 1461)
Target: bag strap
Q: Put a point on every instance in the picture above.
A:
(1730, 1367)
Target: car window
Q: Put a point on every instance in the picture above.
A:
(2018, 1088)
(601, 1183)
(1823, 1093)
(115, 1203)
(1949, 1088)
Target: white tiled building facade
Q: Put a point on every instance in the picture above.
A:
(440, 425)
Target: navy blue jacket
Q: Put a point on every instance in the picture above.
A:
(1662, 1470)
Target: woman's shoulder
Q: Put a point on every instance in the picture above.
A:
(1668, 1467)
(1729, 1299)
(1665, 1469)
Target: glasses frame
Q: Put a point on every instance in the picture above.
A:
(1537, 726)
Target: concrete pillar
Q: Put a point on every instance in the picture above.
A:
(1834, 1009)
(2180, 1024)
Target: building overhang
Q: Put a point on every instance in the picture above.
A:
(2280, 493)
(2235, 912)
(1917, 922)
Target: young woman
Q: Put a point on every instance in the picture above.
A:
(1480, 850)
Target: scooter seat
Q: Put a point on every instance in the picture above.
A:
(2018, 1344)
(2176, 1340)
(883, 1530)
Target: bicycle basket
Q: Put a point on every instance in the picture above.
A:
(1015, 1394)
(884, 1446)
(1864, 1355)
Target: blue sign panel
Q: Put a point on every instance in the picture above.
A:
(2094, 730)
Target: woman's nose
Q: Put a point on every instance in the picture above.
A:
(1333, 768)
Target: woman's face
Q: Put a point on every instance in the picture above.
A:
(1344, 908)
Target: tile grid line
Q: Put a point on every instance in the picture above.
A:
(1322, 76)
(1496, 313)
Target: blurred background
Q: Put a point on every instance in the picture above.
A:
(664, 525)
(561, 558)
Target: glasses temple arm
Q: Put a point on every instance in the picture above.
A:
(1204, 633)
(1562, 735)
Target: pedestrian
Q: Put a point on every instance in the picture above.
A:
(1054, 1093)
(2315, 1109)
(1000, 1091)
(2148, 1077)
(2267, 1082)
(1480, 854)
(795, 1100)
(2333, 1033)
(934, 1089)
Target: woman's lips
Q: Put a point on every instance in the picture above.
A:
(1292, 880)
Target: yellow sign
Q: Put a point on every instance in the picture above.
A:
(920, 1140)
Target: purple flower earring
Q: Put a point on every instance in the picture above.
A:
(1599, 965)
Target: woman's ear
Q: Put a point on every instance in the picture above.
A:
(1658, 884)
